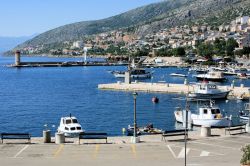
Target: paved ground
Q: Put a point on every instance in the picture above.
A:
(217, 151)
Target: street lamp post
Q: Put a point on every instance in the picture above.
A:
(248, 125)
(135, 139)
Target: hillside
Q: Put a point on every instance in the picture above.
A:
(148, 19)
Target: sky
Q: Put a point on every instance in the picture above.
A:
(29, 17)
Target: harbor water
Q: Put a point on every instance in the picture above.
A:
(33, 97)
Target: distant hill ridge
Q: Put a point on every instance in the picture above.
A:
(148, 19)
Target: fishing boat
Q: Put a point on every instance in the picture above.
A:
(70, 126)
(178, 75)
(207, 115)
(216, 76)
(139, 73)
(207, 90)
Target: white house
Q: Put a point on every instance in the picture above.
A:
(78, 44)
(242, 20)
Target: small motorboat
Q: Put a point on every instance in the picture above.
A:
(138, 73)
(216, 76)
(207, 115)
(155, 99)
(70, 126)
(178, 75)
(147, 130)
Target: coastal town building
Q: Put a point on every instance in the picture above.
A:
(180, 36)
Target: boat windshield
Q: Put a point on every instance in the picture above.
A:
(74, 120)
(68, 121)
(215, 111)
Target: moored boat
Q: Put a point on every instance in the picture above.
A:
(211, 76)
(207, 115)
(207, 90)
(70, 126)
(149, 129)
(139, 73)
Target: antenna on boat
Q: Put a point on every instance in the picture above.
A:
(70, 115)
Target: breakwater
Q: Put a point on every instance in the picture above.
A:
(169, 88)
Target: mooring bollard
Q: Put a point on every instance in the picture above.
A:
(46, 136)
(60, 138)
(185, 82)
(205, 131)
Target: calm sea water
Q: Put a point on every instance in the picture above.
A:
(32, 97)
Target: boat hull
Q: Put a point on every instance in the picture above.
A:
(221, 95)
(244, 117)
(120, 75)
(223, 122)
(210, 79)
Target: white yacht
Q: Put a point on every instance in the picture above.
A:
(207, 115)
(70, 126)
(207, 90)
(135, 73)
(211, 76)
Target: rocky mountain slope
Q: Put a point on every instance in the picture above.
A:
(149, 19)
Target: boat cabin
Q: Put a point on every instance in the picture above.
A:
(70, 121)
(69, 126)
(209, 113)
(206, 87)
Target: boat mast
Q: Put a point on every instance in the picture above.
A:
(186, 124)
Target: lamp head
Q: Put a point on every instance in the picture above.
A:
(135, 94)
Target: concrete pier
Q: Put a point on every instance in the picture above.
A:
(169, 88)
(60, 64)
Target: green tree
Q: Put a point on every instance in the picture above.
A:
(180, 51)
(205, 50)
(219, 46)
(231, 44)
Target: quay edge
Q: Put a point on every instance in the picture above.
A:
(168, 88)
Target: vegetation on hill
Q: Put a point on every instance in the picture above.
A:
(145, 20)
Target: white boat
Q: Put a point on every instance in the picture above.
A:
(230, 71)
(208, 115)
(206, 90)
(244, 117)
(211, 76)
(135, 73)
(70, 126)
(178, 75)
